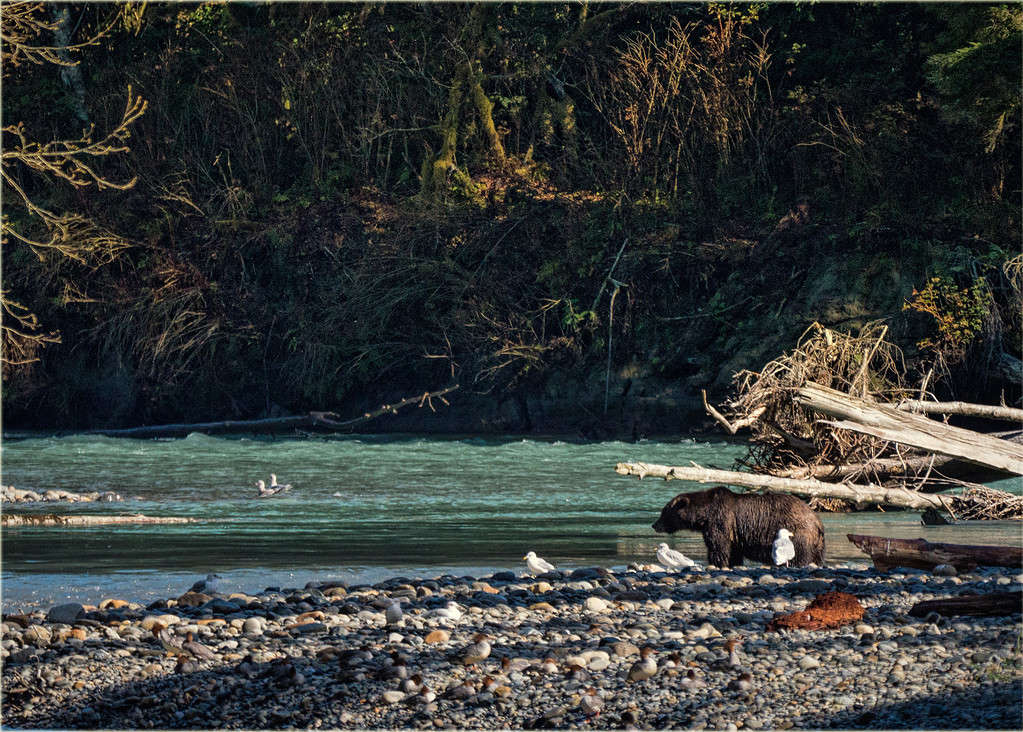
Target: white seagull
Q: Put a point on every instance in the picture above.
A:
(784, 551)
(265, 492)
(207, 586)
(393, 614)
(451, 611)
(275, 484)
(672, 559)
(537, 565)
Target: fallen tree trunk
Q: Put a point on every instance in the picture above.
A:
(861, 495)
(893, 425)
(923, 554)
(992, 603)
(961, 408)
(320, 420)
(52, 519)
(881, 466)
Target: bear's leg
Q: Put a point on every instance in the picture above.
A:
(719, 549)
(735, 557)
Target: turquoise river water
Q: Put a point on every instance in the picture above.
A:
(362, 508)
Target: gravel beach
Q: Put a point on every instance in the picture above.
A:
(335, 656)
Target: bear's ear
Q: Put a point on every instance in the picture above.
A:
(680, 501)
(721, 491)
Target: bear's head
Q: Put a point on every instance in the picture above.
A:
(692, 511)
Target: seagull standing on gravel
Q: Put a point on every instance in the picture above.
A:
(672, 559)
(537, 565)
(207, 586)
(393, 613)
(451, 611)
(784, 551)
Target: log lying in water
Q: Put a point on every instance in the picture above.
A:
(992, 603)
(53, 519)
(861, 495)
(922, 554)
(914, 430)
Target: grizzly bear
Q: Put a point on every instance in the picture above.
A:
(739, 526)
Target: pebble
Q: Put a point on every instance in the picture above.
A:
(808, 662)
(321, 657)
(438, 636)
(67, 613)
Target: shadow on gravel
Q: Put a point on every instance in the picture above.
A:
(995, 705)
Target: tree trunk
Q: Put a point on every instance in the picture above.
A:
(435, 170)
(485, 109)
(963, 408)
(992, 603)
(467, 83)
(922, 554)
(890, 424)
(861, 495)
(70, 70)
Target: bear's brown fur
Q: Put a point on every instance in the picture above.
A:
(740, 526)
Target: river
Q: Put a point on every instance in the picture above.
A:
(362, 508)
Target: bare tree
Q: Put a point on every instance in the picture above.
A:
(74, 161)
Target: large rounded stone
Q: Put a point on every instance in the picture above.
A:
(67, 613)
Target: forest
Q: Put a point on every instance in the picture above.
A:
(238, 210)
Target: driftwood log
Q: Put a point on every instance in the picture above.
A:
(964, 409)
(992, 603)
(923, 554)
(53, 519)
(887, 423)
(312, 420)
(860, 494)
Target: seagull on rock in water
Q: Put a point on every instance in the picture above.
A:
(672, 559)
(537, 565)
(207, 586)
(784, 551)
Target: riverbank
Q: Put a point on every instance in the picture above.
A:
(325, 655)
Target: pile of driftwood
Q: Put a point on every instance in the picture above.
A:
(834, 422)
